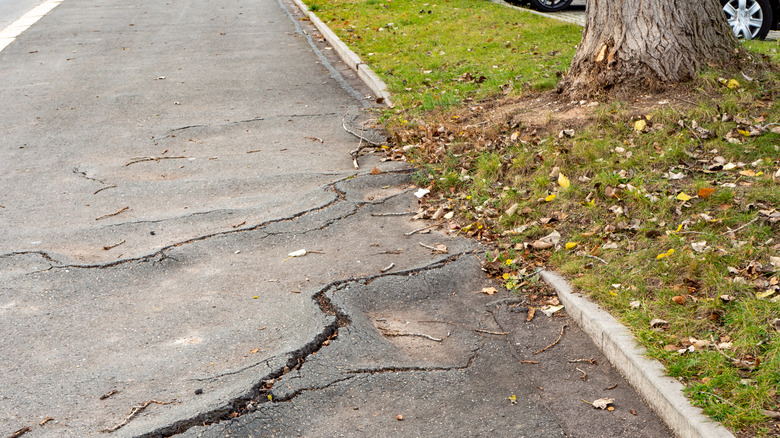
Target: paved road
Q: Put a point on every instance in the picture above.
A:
(11, 10)
(159, 161)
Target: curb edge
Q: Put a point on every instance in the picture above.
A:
(353, 61)
(646, 376)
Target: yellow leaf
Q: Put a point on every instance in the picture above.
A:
(640, 125)
(563, 181)
(570, 245)
(679, 228)
(255, 297)
(747, 172)
(683, 197)
(592, 202)
(270, 397)
(733, 84)
(509, 262)
(505, 276)
(664, 255)
(743, 132)
(549, 198)
(765, 294)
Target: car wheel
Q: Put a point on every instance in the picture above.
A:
(550, 5)
(748, 18)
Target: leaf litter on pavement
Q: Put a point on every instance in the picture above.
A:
(664, 208)
(677, 215)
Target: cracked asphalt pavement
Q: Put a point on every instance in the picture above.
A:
(160, 160)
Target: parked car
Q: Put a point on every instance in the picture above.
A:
(752, 18)
(545, 5)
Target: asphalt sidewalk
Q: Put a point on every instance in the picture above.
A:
(163, 167)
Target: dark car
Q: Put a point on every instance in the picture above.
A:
(748, 18)
(752, 18)
(545, 5)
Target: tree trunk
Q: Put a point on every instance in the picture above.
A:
(641, 44)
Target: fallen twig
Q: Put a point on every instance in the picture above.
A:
(108, 394)
(238, 225)
(387, 268)
(112, 214)
(253, 151)
(715, 344)
(133, 412)
(695, 134)
(104, 188)
(717, 397)
(594, 257)
(143, 159)
(20, 432)
(590, 361)
(771, 414)
(422, 229)
(419, 335)
(45, 420)
(434, 249)
(354, 154)
(106, 248)
(315, 139)
(743, 226)
(490, 332)
(529, 361)
(584, 375)
(505, 301)
(402, 213)
(610, 388)
(563, 327)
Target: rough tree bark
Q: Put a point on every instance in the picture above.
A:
(646, 43)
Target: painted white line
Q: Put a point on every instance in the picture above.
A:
(9, 34)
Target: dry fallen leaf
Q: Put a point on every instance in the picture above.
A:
(531, 312)
(699, 246)
(603, 403)
(376, 171)
(254, 350)
(705, 192)
(489, 290)
(679, 299)
(550, 310)
(657, 322)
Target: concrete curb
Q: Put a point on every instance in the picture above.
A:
(647, 376)
(364, 72)
(662, 393)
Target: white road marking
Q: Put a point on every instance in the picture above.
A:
(9, 34)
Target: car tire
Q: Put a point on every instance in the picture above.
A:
(752, 21)
(550, 5)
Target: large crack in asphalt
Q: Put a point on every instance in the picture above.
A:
(161, 253)
(258, 394)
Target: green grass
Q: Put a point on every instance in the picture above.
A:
(434, 55)
(632, 197)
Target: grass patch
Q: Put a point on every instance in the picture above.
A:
(677, 222)
(438, 55)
